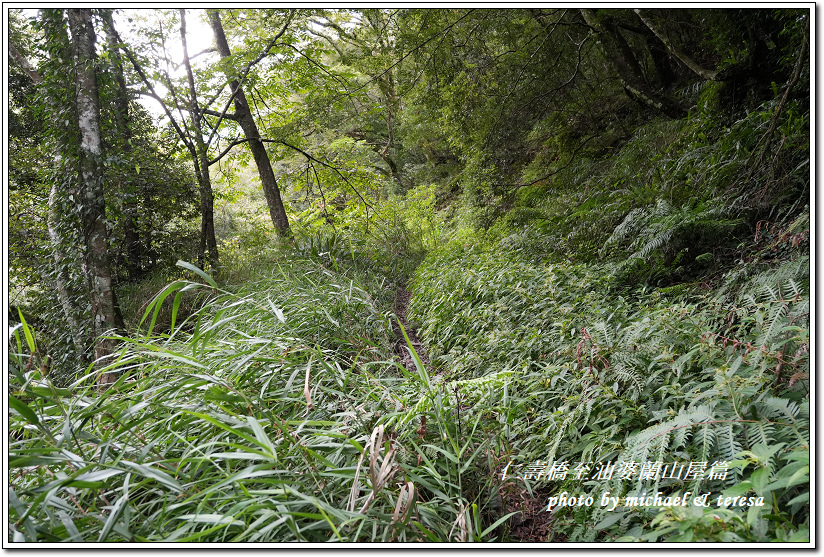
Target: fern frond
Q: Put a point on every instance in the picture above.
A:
(625, 367)
(760, 432)
(705, 439)
(728, 445)
(773, 406)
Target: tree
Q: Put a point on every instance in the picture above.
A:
(37, 229)
(91, 206)
(191, 134)
(243, 115)
(618, 52)
(200, 156)
(369, 49)
(123, 146)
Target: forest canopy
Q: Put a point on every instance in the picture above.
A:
(291, 274)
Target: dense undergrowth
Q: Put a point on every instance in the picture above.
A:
(664, 319)
(603, 378)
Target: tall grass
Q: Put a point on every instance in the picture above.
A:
(274, 413)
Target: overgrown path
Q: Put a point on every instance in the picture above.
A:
(402, 296)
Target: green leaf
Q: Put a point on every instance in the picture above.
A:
(154, 474)
(114, 514)
(157, 303)
(426, 531)
(498, 523)
(204, 533)
(26, 331)
(26, 461)
(211, 518)
(799, 477)
(194, 269)
(24, 410)
(803, 498)
(99, 475)
(422, 374)
(223, 426)
(611, 519)
(175, 309)
(263, 439)
(738, 489)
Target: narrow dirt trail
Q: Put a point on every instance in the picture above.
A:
(402, 297)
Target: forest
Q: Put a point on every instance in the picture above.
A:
(408, 275)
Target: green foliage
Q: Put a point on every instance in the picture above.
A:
(593, 283)
(679, 237)
(604, 378)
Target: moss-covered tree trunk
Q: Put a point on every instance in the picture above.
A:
(92, 203)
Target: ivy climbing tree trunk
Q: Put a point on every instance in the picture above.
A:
(68, 259)
(243, 115)
(62, 282)
(92, 207)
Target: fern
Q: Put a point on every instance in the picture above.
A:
(666, 230)
(728, 445)
(760, 432)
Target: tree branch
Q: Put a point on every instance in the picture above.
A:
(764, 143)
(338, 172)
(305, 154)
(183, 136)
(324, 70)
(242, 78)
(706, 74)
(229, 148)
(210, 112)
(258, 58)
(205, 51)
(402, 58)
(323, 197)
(330, 41)
(24, 64)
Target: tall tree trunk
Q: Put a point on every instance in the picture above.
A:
(244, 117)
(208, 242)
(93, 207)
(618, 52)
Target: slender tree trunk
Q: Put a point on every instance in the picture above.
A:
(208, 242)
(618, 52)
(93, 208)
(244, 117)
